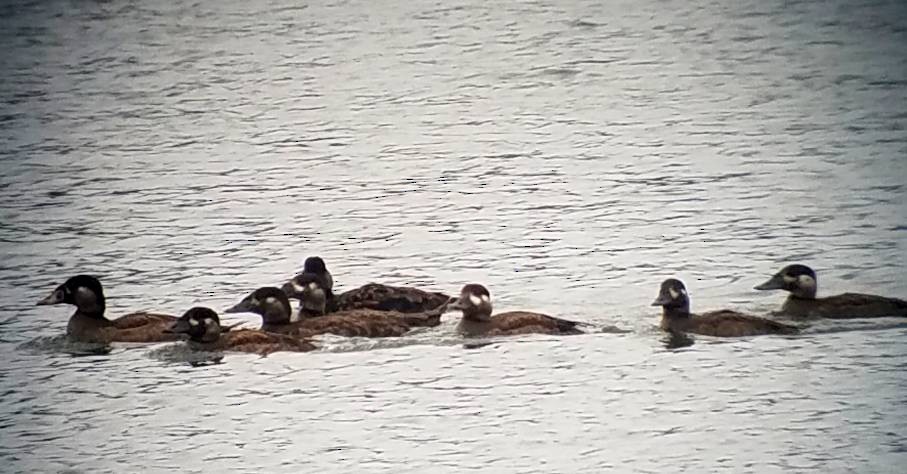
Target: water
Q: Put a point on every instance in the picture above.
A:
(569, 156)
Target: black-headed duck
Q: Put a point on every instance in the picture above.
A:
(801, 282)
(676, 317)
(202, 325)
(88, 323)
(273, 306)
(475, 303)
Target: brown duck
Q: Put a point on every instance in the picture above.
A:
(88, 323)
(676, 317)
(274, 308)
(202, 325)
(475, 303)
(370, 296)
(801, 282)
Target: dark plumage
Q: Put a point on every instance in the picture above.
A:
(371, 296)
(202, 325)
(475, 303)
(274, 307)
(676, 317)
(801, 282)
(88, 323)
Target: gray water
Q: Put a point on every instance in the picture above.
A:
(568, 155)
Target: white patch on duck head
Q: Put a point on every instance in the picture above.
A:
(296, 286)
(270, 301)
(806, 282)
(254, 302)
(313, 286)
(193, 322)
(475, 300)
(788, 278)
(674, 293)
(209, 322)
(486, 299)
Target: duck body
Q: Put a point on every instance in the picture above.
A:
(724, 323)
(380, 297)
(88, 323)
(677, 318)
(801, 283)
(202, 325)
(843, 306)
(517, 322)
(475, 303)
(274, 307)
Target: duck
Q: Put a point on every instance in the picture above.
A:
(89, 324)
(369, 296)
(202, 325)
(676, 317)
(801, 282)
(475, 303)
(273, 306)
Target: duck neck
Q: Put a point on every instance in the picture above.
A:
(803, 294)
(479, 315)
(676, 312)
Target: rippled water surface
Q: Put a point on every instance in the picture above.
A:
(568, 155)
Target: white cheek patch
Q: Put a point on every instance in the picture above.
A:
(313, 286)
(297, 287)
(270, 301)
(806, 281)
(674, 293)
(209, 322)
(193, 322)
(476, 301)
(683, 292)
(254, 302)
(486, 299)
(788, 278)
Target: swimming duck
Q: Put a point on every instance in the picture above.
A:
(202, 325)
(801, 282)
(475, 303)
(369, 296)
(88, 323)
(273, 306)
(676, 317)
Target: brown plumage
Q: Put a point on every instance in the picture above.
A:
(801, 283)
(475, 303)
(371, 296)
(202, 325)
(88, 323)
(274, 308)
(677, 318)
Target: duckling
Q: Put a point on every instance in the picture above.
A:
(475, 303)
(370, 296)
(274, 307)
(202, 325)
(801, 282)
(677, 318)
(88, 323)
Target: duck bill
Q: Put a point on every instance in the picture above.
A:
(181, 326)
(662, 300)
(455, 304)
(243, 306)
(55, 297)
(774, 283)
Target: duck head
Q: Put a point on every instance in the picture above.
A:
(474, 301)
(199, 323)
(673, 297)
(797, 279)
(82, 291)
(268, 302)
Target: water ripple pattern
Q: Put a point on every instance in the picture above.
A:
(568, 155)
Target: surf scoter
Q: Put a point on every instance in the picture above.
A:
(88, 323)
(676, 317)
